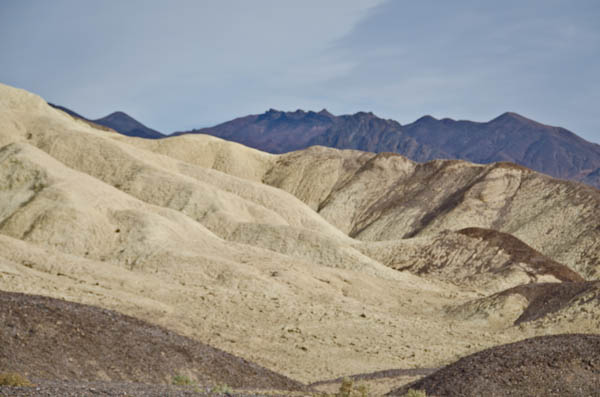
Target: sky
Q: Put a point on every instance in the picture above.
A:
(177, 65)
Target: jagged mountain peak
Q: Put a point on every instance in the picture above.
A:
(515, 117)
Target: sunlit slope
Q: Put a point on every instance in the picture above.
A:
(386, 197)
(96, 220)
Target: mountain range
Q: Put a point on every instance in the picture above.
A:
(509, 137)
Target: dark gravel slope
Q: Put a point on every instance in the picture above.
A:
(557, 365)
(45, 388)
(53, 339)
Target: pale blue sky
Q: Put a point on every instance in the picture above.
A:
(176, 65)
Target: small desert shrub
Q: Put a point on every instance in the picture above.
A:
(181, 380)
(415, 393)
(362, 390)
(14, 380)
(347, 389)
(221, 389)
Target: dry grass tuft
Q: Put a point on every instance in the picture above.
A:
(14, 379)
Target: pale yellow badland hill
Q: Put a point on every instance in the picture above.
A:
(315, 264)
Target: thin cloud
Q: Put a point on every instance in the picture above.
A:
(475, 60)
(192, 64)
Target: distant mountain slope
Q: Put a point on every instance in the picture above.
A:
(509, 137)
(281, 132)
(120, 122)
(127, 125)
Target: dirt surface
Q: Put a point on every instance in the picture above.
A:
(389, 373)
(376, 383)
(54, 339)
(558, 365)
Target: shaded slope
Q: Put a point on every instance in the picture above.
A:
(55, 339)
(51, 388)
(560, 365)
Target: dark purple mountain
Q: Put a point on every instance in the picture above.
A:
(120, 122)
(281, 132)
(509, 137)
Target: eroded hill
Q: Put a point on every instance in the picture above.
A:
(315, 264)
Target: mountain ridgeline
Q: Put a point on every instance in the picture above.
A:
(510, 137)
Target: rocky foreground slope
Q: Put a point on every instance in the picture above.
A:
(553, 366)
(55, 339)
(315, 264)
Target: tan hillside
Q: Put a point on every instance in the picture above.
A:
(387, 197)
(210, 152)
(315, 264)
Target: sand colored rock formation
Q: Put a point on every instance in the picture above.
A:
(388, 197)
(315, 264)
